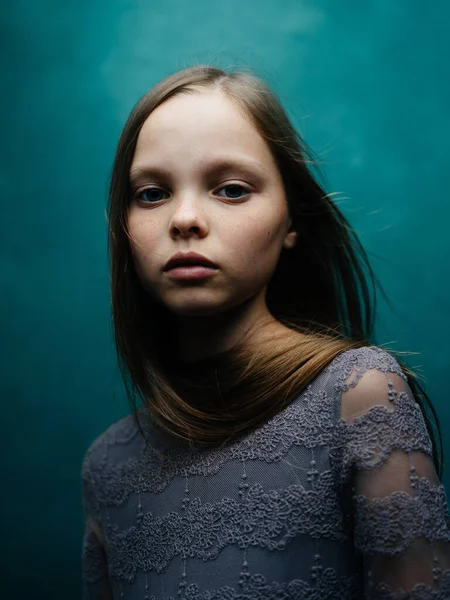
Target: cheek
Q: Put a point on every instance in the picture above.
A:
(256, 248)
(143, 236)
(261, 238)
(144, 246)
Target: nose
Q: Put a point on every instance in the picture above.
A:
(188, 219)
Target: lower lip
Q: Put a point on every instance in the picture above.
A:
(191, 273)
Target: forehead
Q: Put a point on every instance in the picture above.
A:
(201, 122)
(197, 110)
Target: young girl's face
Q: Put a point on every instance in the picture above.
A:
(203, 180)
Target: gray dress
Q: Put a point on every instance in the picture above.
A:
(336, 497)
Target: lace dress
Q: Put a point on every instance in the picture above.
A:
(336, 497)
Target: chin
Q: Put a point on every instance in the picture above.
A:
(205, 305)
(201, 307)
(196, 310)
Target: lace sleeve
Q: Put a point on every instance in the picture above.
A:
(96, 584)
(398, 505)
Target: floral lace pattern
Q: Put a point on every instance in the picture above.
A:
(425, 514)
(269, 520)
(385, 517)
(269, 443)
(367, 445)
(328, 587)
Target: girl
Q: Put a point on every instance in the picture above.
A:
(275, 453)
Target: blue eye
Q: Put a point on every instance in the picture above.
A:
(151, 195)
(235, 195)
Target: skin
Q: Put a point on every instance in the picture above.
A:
(241, 229)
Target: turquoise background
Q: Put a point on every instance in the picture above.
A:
(365, 82)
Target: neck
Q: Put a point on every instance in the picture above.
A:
(203, 337)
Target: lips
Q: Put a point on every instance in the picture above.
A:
(188, 259)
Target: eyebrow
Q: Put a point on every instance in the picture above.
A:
(217, 167)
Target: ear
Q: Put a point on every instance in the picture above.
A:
(290, 239)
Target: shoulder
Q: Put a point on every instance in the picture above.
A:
(115, 440)
(358, 361)
(367, 377)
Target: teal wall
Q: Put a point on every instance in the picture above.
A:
(365, 82)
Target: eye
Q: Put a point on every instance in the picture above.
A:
(150, 195)
(235, 191)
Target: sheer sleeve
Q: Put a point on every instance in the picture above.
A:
(96, 584)
(399, 507)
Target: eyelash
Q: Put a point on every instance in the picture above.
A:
(246, 192)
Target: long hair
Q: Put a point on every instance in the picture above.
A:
(320, 288)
